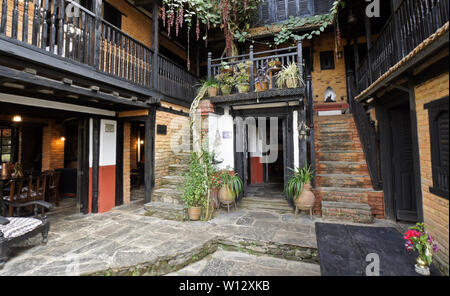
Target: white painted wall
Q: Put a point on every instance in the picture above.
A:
(108, 141)
(221, 138)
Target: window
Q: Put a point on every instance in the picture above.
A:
(5, 144)
(112, 15)
(439, 136)
(326, 60)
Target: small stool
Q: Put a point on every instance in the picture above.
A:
(304, 208)
(228, 204)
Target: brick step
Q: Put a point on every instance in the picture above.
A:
(334, 118)
(343, 180)
(341, 155)
(343, 167)
(167, 195)
(165, 211)
(337, 145)
(178, 169)
(319, 137)
(343, 194)
(347, 211)
(173, 181)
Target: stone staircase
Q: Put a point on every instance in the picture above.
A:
(278, 205)
(343, 183)
(166, 200)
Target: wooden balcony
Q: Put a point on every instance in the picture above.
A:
(83, 38)
(261, 61)
(411, 23)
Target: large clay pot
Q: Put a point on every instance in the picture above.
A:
(194, 213)
(226, 195)
(307, 198)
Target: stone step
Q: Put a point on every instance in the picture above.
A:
(343, 194)
(341, 155)
(165, 211)
(182, 158)
(172, 181)
(347, 211)
(167, 195)
(343, 180)
(342, 167)
(178, 169)
(265, 204)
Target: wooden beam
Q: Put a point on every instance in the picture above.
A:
(134, 113)
(149, 147)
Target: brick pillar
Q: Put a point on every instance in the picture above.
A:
(52, 146)
(205, 108)
(126, 162)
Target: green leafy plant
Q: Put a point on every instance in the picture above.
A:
(231, 179)
(299, 177)
(196, 184)
(289, 77)
(211, 82)
(242, 75)
(225, 78)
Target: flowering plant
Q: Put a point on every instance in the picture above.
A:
(417, 239)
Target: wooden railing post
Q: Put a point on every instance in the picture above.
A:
(209, 64)
(300, 59)
(252, 69)
(97, 6)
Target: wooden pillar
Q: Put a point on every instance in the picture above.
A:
(415, 149)
(209, 64)
(155, 32)
(310, 102)
(83, 165)
(95, 162)
(149, 177)
(369, 46)
(97, 9)
(119, 163)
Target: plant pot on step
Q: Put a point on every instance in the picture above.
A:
(306, 199)
(194, 213)
(226, 195)
(261, 86)
(243, 88)
(213, 91)
(225, 89)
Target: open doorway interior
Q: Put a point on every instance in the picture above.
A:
(137, 160)
(265, 174)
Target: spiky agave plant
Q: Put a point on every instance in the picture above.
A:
(232, 181)
(299, 177)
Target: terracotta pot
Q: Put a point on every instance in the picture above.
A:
(307, 198)
(226, 89)
(230, 70)
(243, 88)
(212, 91)
(291, 83)
(226, 195)
(261, 86)
(194, 213)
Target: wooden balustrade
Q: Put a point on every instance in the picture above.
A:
(411, 23)
(79, 34)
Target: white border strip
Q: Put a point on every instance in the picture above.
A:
(14, 99)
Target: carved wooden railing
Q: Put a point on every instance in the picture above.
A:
(411, 23)
(367, 133)
(260, 60)
(78, 34)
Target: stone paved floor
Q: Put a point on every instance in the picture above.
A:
(124, 241)
(226, 263)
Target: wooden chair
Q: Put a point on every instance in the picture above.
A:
(53, 185)
(17, 229)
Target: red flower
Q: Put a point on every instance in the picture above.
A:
(410, 234)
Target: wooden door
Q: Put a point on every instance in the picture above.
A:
(405, 201)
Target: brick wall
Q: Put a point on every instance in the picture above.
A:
(334, 78)
(52, 146)
(164, 156)
(435, 208)
(126, 162)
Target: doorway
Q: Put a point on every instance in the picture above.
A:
(402, 166)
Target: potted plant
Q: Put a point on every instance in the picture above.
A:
(261, 78)
(417, 239)
(230, 186)
(275, 63)
(225, 68)
(299, 187)
(212, 86)
(241, 78)
(289, 77)
(226, 82)
(195, 188)
(16, 170)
